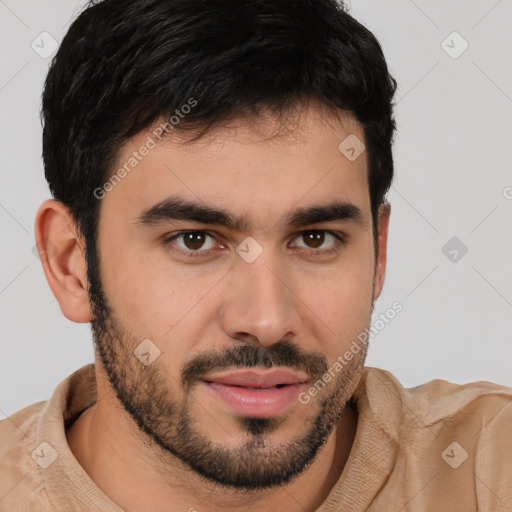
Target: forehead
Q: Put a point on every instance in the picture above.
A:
(258, 167)
(313, 125)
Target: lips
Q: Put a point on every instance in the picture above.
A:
(257, 393)
(258, 379)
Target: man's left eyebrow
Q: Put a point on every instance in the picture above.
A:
(336, 211)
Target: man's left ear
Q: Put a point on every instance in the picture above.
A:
(380, 266)
(61, 251)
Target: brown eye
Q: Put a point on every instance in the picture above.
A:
(192, 241)
(315, 239)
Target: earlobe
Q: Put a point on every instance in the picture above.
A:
(61, 250)
(382, 240)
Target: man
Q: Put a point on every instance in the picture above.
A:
(219, 173)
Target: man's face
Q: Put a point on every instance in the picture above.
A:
(242, 325)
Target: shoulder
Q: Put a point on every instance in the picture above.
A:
(453, 440)
(476, 406)
(21, 480)
(440, 401)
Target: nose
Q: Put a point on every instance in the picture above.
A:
(260, 304)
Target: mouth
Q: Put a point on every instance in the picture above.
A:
(257, 393)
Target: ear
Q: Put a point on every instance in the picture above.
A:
(382, 242)
(61, 251)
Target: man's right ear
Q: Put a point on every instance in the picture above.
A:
(61, 249)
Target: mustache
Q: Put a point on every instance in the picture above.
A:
(282, 353)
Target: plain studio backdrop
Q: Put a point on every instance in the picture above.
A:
(450, 246)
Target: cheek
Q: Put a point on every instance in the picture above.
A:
(154, 299)
(345, 312)
(343, 303)
(141, 293)
(151, 303)
(347, 292)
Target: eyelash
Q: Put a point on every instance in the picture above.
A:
(338, 244)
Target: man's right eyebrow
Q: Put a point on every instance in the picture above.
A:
(176, 208)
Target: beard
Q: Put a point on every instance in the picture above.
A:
(151, 397)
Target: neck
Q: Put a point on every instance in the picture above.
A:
(107, 444)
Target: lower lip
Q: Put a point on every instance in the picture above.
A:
(263, 403)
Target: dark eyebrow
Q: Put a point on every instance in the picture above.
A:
(176, 208)
(339, 210)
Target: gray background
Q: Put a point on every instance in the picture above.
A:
(452, 154)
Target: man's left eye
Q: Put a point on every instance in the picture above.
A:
(316, 238)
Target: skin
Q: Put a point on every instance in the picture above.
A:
(214, 303)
